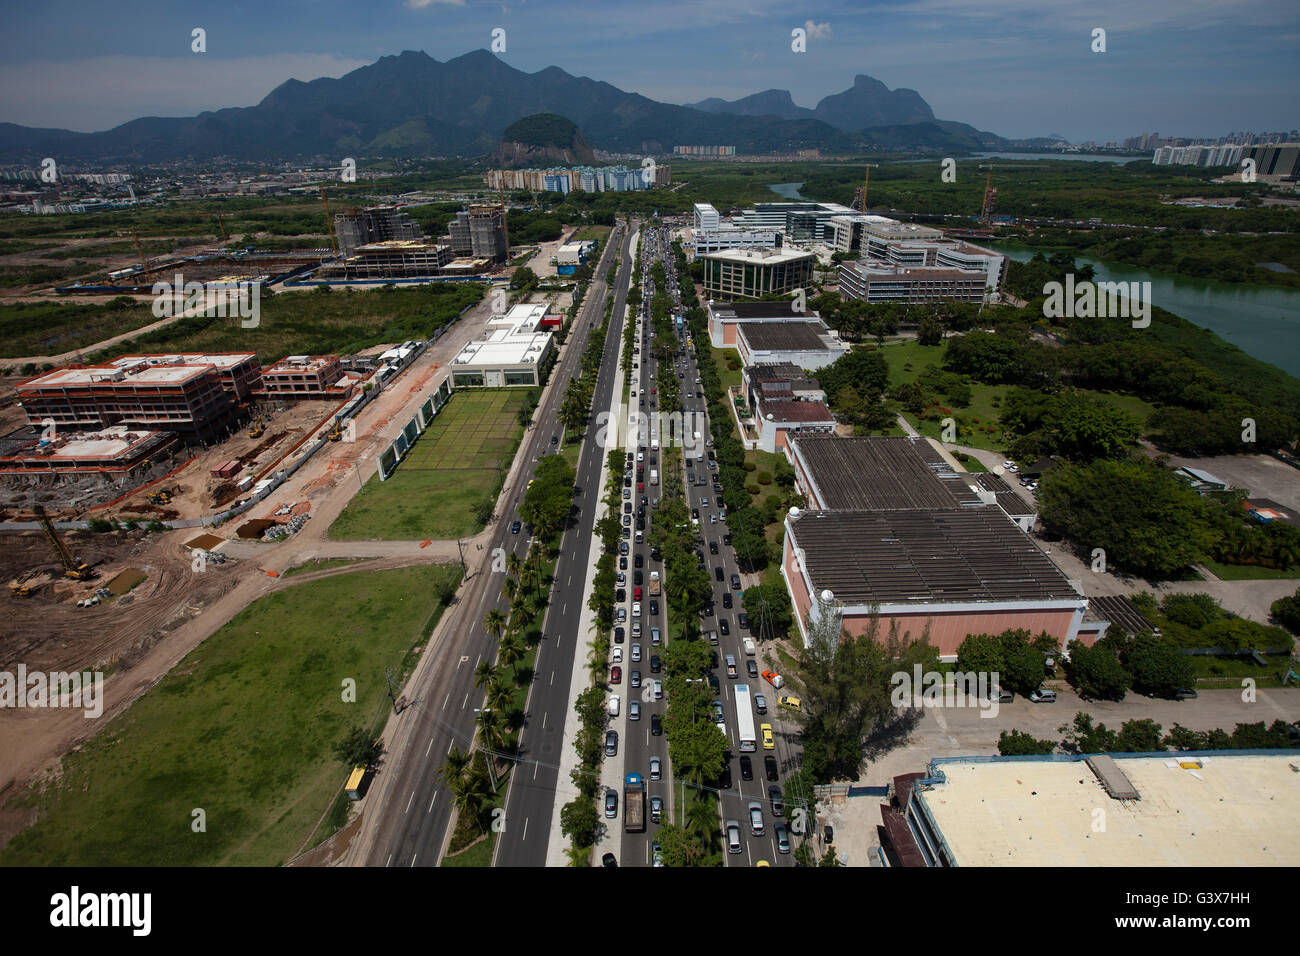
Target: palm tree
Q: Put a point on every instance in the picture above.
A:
(521, 613)
(701, 815)
(484, 674)
(510, 652)
(513, 564)
(528, 578)
(536, 554)
(469, 794)
(578, 856)
(453, 765)
(492, 731)
(500, 695)
(511, 587)
(494, 622)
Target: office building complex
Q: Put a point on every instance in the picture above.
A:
(753, 273)
(706, 217)
(516, 351)
(1197, 155)
(878, 283)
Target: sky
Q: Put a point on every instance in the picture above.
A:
(1018, 68)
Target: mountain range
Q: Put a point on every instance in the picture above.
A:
(411, 105)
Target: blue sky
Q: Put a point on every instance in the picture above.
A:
(1016, 67)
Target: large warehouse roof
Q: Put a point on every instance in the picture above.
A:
(785, 336)
(952, 556)
(881, 474)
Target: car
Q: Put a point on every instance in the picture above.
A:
(636, 594)
(636, 628)
(717, 573)
(656, 725)
(715, 684)
(655, 636)
(619, 634)
(620, 615)
(746, 768)
(656, 768)
(658, 689)
(719, 714)
(724, 627)
(735, 582)
(765, 730)
(611, 743)
(635, 678)
(782, 838)
(654, 608)
(742, 621)
(627, 519)
(636, 609)
(656, 808)
(726, 539)
(623, 548)
(615, 704)
(1001, 695)
(1043, 696)
(695, 513)
(774, 798)
(704, 502)
(760, 703)
(713, 549)
(770, 768)
(627, 505)
(773, 678)
(611, 802)
(514, 528)
(616, 675)
(733, 835)
(616, 655)
(622, 563)
(555, 439)
(636, 653)
(608, 859)
(639, 560)
(655, 664)
(751, 667)
(620, 595)
(755, 818)
(634, 709)
(785, 700)
(1185, 693)
(726, 599)
(724, 781)
(621, 579)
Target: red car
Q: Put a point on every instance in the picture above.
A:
(654, 391)
(616, 675)
(636, 594)
(640, 486)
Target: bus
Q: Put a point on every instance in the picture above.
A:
(745, 720)
(358, 776)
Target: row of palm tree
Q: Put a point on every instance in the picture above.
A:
(472, 775)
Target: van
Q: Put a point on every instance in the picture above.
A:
(713, 638)
(749, 646)
(614, 704)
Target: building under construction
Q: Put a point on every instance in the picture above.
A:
(373, 225)
(480, 233)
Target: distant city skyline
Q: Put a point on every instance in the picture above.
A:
(1017, 68)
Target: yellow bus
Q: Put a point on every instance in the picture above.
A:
(354, 782)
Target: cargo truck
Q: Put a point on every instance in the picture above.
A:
(633, 803)
(654, 583)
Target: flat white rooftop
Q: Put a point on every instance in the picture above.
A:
(759, 256)
(1231, 811)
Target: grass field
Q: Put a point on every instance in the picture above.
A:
(243, 729)
(1246, 572)
(459, 459)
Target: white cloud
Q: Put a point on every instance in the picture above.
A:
(817, 31)
(102, 92)
(421, 4)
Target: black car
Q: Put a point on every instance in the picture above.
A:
(724, 627)
(746, 767)
(640, 560)
(620, 595)
(713, 547)
(654, 608)
(619, 634)
(715, 684)
(751, 666)
(742, 620)
(656, 725)
(654, 555)
(726, 599)
(778, 804)
(726, 539)
(655, 664)
(708, 609)
(769, 764)
(514, 528)
(735, 582)
(725, 782)
(717, 573)
(622, 562)
(608, 859)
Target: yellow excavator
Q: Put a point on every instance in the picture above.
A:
(257, 428)
(72, 568)
(335, 433)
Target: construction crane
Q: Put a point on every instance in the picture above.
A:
(329, 223)
(861, 193)
(225, 238)
(990, 200)
(72, 568)
(505, 233)
(139, 247)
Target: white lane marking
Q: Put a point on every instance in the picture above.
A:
(435, 797)
(428, 748)
(525, 834)
(408, 802)
(446, 700)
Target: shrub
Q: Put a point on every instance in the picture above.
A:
(100, 525)
(750, 466)
(752, 489)
(764, 477)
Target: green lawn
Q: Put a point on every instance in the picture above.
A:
(243, 729)
(461, 457)
(907, 359)
(728, 377)
(1246, 572)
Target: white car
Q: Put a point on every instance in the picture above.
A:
(614, 704)
(636, 653)
(616, 655)
(655, 768)
(636, 609)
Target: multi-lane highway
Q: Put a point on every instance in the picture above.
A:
(407, 824)
(638, 744)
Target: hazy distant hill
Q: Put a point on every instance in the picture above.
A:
(413, 105)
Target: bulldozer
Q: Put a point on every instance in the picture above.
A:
(72, 568)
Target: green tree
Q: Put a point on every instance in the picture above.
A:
(1158, 667)
(580, 821)
(1095, 672)
(1015, 744)
(1138, 737)
(359, 748)
(1082, 737)
(770, 613)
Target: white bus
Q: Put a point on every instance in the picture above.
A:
(745, 720)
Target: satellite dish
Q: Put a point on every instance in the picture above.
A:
(794, 511)
(828, 596)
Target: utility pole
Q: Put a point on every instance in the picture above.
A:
(388, 676)
(460, 546)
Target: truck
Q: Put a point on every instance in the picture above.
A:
(654, 476)
(745, 720)
(654, 583)
(749, 647)
(633, 803)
